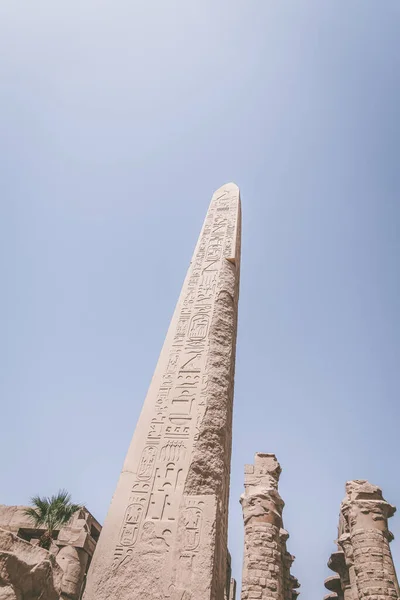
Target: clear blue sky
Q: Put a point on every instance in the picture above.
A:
(118, 119)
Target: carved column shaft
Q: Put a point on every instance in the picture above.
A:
(266, 562)
(373, 564)
(262, 566)
(366, 542)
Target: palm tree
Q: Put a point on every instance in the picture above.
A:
(51, 514)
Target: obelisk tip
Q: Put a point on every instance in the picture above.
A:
(226, 190)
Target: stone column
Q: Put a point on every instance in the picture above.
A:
(363, 561)
(165, 535)
(337, 563)
(366, 516)
(334, 585)
(266, 562)
(290, 583)
(232, 590)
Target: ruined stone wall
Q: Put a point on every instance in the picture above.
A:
(266, 562)
(31, 571)
(27, 572)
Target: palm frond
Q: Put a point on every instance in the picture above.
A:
(41, 504)
(53, 512)
(33, 515)
(62, 497)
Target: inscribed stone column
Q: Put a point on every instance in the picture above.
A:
(266, 561)
(366, 513)
(165, 535)
(363, 561)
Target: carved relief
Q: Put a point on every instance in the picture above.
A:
(178, 427)
(146, 464)
(191, 363)
(189, 298)
(141, 488)
(172, 362)
(162, 505)
(214, 250)
(207, 285)
(262, 507)
(155, 543)
(181, 328)
(156, 427)
(180, 405)
(130, 529)
(192, 519)
(186, 561)
(159, 506)
(173, 451)
(161, 406)
(188, 379)
(199, 327)
(129, 535)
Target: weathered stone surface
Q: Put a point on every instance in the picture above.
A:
(232, 590)
(73, 561)
(266, 561)
(333, 584)
(66, 563)
(27, 572)
(82, 531)
(13, 518)
(165, 535)
(364, 562)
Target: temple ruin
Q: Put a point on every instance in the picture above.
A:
(165, 535)
(29, 572)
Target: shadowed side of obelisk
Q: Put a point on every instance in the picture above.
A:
(165, 532)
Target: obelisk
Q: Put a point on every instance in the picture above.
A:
(165, 535)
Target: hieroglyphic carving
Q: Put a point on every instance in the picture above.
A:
(193, 519)
(178, 396)
(147, 461)
(130, 528)
(173, 451)
(191, 534)
(155, 543)
(175, 412)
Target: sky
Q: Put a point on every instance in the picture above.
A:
(118, 120)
